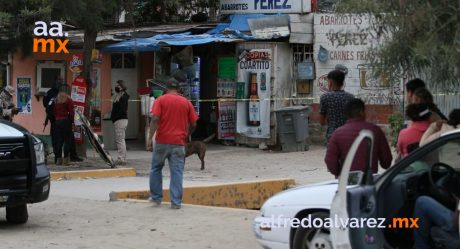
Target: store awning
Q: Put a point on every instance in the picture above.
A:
(133, 45)
(154, 43)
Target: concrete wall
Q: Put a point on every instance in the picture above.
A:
(26, 66)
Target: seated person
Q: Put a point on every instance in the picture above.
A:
(420, 117)
(423, 96)
(431, 213)
(437, 128)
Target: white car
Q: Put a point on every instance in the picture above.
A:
(296, 218)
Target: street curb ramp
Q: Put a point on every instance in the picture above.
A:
(98, 173)
(244, 195)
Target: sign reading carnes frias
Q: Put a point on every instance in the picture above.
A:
(264, 6)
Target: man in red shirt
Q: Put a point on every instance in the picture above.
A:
(174, 119)
(342, 139)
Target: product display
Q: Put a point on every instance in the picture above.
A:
(254, 102)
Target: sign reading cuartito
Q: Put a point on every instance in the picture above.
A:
(24, 94)
(253, 114)
(264, 6)
(49, 40)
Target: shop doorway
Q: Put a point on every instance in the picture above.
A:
(124, 67)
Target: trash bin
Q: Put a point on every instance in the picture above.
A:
(108, 133)
(293, 128)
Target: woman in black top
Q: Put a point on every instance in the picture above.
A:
(119, 117)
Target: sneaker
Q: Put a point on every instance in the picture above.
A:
(156, 203)
(120, 163)
(59, 161)
(66, 161)
(174, 206)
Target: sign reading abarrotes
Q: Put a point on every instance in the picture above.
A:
(265, 6)
(49, 39)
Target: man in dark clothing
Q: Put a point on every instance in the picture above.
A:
(331, 103)
(342, 139)
(119, 117)
(48, 102)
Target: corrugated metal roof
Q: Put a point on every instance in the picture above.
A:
(120, 34)
(240, 21)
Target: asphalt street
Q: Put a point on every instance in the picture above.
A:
(79, 214)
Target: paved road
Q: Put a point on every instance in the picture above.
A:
(79, 215)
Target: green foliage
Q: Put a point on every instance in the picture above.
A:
(424, 38)
(147, 11)
(89, 15)
(396, 121)
(17, 19)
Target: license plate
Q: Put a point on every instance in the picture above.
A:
(3, 198)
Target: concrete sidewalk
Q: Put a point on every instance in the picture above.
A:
(227, 164)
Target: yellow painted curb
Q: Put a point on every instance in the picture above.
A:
(247, 195)
(97, 173)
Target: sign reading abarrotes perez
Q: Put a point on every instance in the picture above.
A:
(264, 6)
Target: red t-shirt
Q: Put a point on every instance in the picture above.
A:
(64, 110)
(411, 135)
(176, 113)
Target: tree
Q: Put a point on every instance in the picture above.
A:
(424, 38)
(91, 16)
(17, 20)
(160, 11)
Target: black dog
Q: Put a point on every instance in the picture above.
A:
(199, 148)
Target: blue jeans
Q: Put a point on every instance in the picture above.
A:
(431, 213)
(176, 158)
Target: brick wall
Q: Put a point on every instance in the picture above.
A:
(377, 114)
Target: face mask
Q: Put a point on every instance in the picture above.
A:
(117, 89)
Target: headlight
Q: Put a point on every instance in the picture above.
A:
(39, 153)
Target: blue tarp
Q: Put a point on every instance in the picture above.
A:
(133, 45)
(223, 32)
(240, 22)
(154, 43)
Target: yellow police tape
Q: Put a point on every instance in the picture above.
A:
(232, 100)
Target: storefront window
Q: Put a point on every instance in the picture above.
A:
(47, 73)
(125, 60)
(129, 61)
(117, 60)
(304, 68)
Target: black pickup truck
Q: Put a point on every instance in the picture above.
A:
(24, 177)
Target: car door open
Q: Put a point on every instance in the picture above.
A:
(353, 210)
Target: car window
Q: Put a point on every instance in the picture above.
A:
(448, 153)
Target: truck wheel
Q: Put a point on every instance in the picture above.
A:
(17, 214)
(313, 238)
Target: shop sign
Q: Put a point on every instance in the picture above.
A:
(227, 68)
(24, 94)
(264, 6)
(49, 40)
(253, 112)
(227, 120)
(96, 56)
(76, 63)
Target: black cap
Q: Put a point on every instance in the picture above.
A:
(172, 84)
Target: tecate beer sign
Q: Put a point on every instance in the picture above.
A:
(264, 6)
